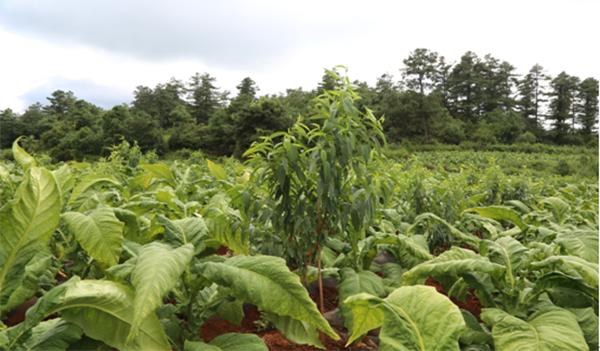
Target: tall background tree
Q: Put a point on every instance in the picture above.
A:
(532, 96)
(562, 105)
(477, 99)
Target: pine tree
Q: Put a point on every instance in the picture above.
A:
(204, 96)
(588, 106)
(532, 92)
(421, 74)
(465, 93)
(562, 105)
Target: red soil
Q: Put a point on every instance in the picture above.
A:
(330, 298)
(471, 303)
(17, 315)
(274, 340)
(223, 251)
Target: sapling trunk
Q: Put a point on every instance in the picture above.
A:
(320, 278)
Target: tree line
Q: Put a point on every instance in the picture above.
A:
(480, 99)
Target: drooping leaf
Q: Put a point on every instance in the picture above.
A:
(565, 290)
(474, 333)
(186, 230)
(588, 322)
(101, 308)
(157, 270)
(408, 244)
(231, 311)
(228, 342)
(573, 266)
(52, 335)
(131, 230)
(507, 252)
(295, 331)
(558, 207)
(88, 182)
(266, 282)
(456, 233)
(159, 171)
(224, 224)
(28, 281)
(454, 262)
(504, 213)
(26, 227)
(415, 318)
(554, 329)
(99, 233)
(580, 243)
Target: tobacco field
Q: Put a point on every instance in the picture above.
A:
(322, 237)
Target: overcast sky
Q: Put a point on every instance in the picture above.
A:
(102, 50)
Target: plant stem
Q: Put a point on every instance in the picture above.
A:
(320, 277)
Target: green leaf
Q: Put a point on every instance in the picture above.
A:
(508, 252)
(266, 282)
(474, 333)
(26, 227)
(565, 290)
(65, 179)
(295, 331)
(366, 315)
(228, 342)
(503, 213)
(24, 159)
(99, 233)
(558, 207)
(415, 318)
(362, 282)
(573, 266)
(588, 322)
(554, 329)
(455, 262)
(36, 268)
(131, 230)
(580, 243)
(353, 283)
(157, 271)
(409, 245)
(216, 170)
(231, 311)
(186, 230)
(457, 234)
(88, 182)
(159, 171)
(52, 335)
(224, 224)
(101, 308)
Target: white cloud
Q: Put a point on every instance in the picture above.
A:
(280, 44)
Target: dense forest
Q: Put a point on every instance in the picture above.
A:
(478, 99)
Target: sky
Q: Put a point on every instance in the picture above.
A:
(103, 50)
